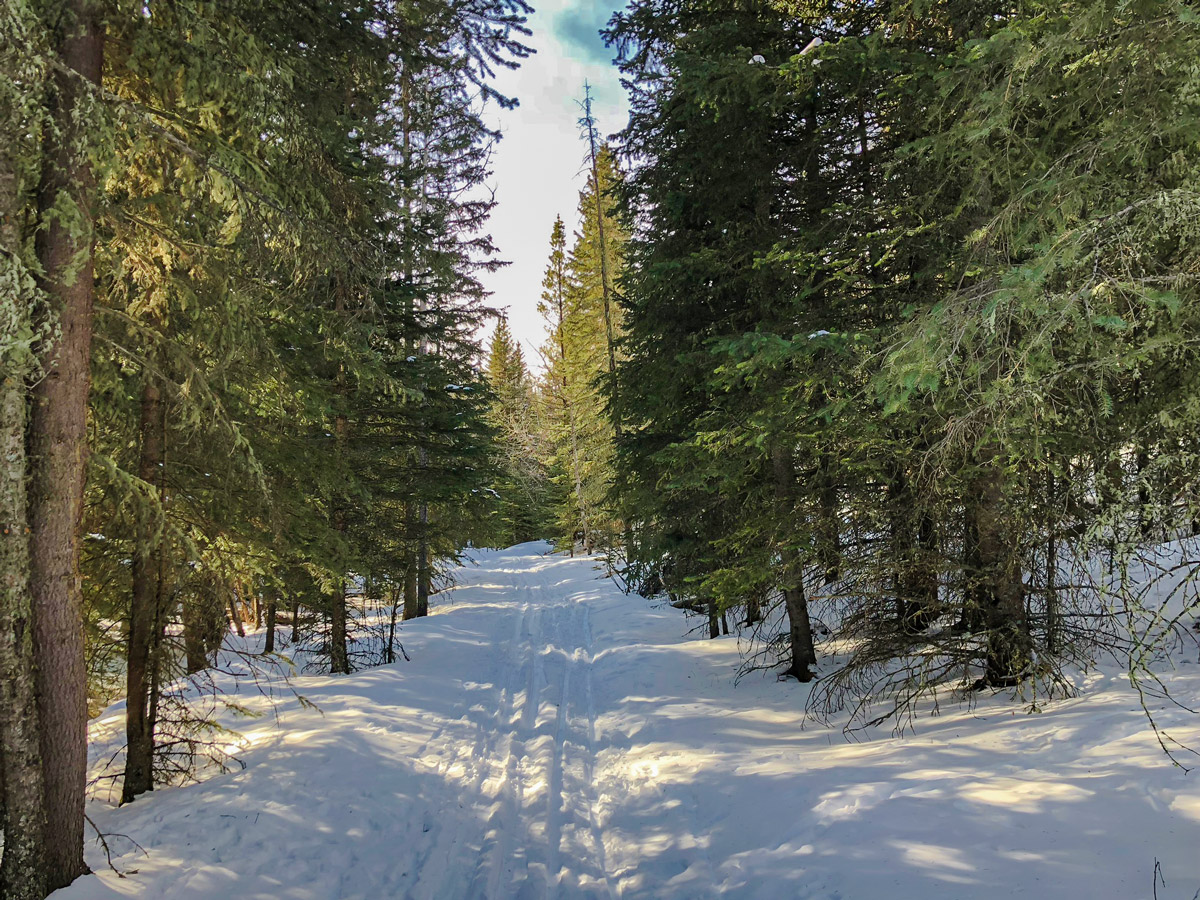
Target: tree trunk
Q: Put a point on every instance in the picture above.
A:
(1051, 569)
(921, 575)
(22, 784)
(423, 567)
(791, 574)
(410, 563)
(295, 621)
(1001, 591)
(272, 606)
(754, 610)
(602, 252)
(973, 601)
(195, 648)
(58, 438)
(916, 598)
(1144, 512)
(829, 545)
(23, 869)
(234, 615)
(390, 656)
(144, 609)
(204, 625)
(339, 657)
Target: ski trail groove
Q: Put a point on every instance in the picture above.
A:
(522, 816)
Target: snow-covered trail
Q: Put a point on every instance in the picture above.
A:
(552, 737)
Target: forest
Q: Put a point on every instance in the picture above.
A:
(873, 338)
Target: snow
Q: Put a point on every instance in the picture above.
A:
(552, 737)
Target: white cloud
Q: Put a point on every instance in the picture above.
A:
(539, 165)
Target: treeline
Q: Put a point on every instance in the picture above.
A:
(910, 322)
(557, 433)
(239, 292)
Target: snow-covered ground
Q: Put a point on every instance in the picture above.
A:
(552, 737)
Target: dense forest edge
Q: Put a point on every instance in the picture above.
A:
(872, 337)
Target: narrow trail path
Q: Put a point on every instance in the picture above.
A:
(554, 738)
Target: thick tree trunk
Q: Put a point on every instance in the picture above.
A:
(144, 610)
(234, 614)
(339, 657)
(22, 787)
(410, 586)
(194, 647)
(204, 626)
(58, 440)
(791, 573)
(23, 869)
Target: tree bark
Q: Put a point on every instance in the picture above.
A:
(423, 567)
(23, 869)
(1001, 590)
(791, 574)
(339, 658)
(22, 785)
(204, 625)
(234, 614)
(144, 609)
(272, 606)
(390, 656)
(58, 439)
(753, 610)
(410, 565)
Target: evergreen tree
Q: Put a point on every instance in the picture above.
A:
(523, 487)
(592, 265)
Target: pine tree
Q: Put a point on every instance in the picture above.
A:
(523, 486)
(57, 441)
(561, 414)
(592, 266)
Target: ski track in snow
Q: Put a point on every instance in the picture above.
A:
(554, 738)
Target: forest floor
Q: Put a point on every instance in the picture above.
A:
(552, 737)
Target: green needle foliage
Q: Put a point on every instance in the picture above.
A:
(284, 397)
(907, 339)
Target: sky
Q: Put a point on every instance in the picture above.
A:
(538, 166)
